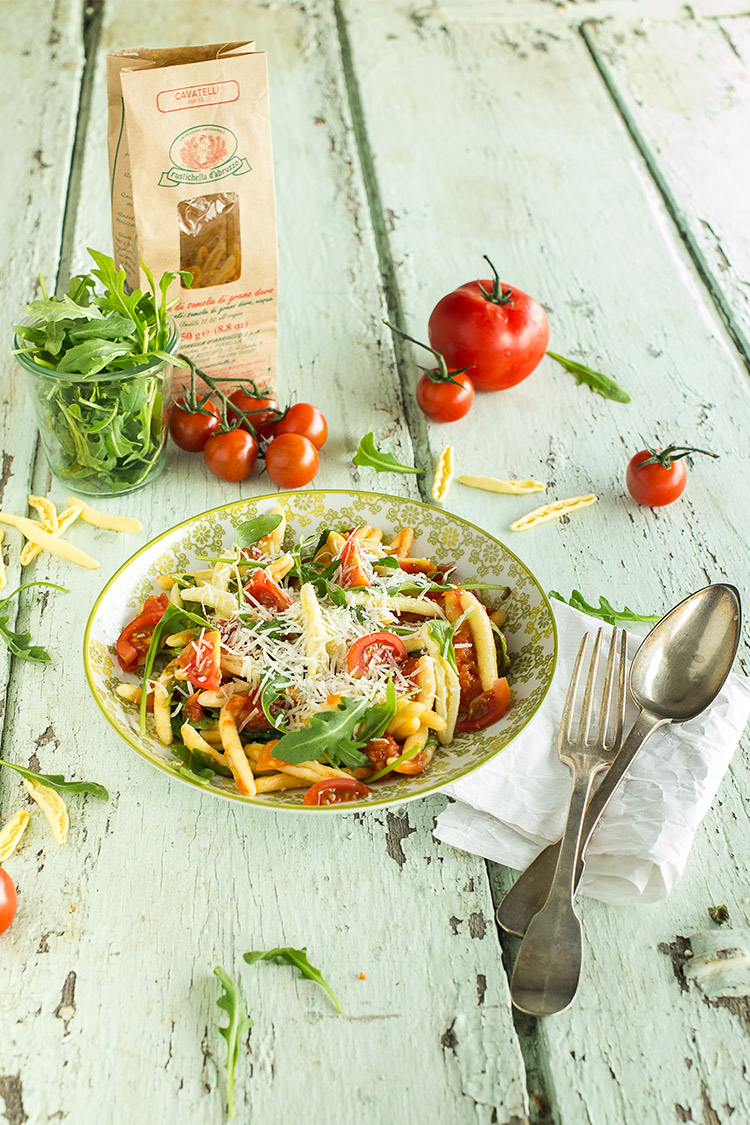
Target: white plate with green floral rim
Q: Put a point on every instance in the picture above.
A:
(479, 557)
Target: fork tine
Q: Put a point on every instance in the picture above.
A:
(566, 720)
(588, 695)
(609, 683)
(622, 694)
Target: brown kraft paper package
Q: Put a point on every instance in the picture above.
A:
(192, 189)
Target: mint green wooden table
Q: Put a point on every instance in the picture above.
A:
(600, 157)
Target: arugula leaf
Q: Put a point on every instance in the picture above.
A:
(502, 646)
(18, 643)
(297, 958)
(239, 1023)
(338, 735)
(443, 633)
(57, 781)
(272, 689)
(367, 454)
(378, 716)
(249, 532)
(173, 616)
(605, 611)
(389, 561)
(600, 384)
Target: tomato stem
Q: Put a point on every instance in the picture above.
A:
(498, 296)
(665, 457)
(439, 374)
(225, 402)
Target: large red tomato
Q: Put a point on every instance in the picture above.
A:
(496, 331)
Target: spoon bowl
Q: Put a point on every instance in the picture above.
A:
(682, 664)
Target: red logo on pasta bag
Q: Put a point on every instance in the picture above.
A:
(203, 154)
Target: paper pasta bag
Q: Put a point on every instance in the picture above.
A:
(192, 189)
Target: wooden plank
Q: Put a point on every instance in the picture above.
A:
(501, 140)
(684, 90)
(118, 934)
(40, 56)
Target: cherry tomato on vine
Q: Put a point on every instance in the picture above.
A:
(262, 411)
(291, 460)
(304, 418)
(657, 477)
(496, 331)
(231, 456)
(336, 791)
(486, 709)
(443, 395)
(9, 899)
(191, 430)
(372, 645)
(445, 402)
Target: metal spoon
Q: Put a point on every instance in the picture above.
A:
(676, 673)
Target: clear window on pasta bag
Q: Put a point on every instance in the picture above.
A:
(210, 239)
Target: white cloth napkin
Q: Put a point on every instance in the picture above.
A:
(515, 805)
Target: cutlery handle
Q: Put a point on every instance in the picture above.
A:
(548, 967)
(528, 893)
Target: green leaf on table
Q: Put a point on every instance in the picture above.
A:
(251, 531)
(20, 643)
(604, 611)
(57, 781)
(368, 455)
(231, 1002)
(599, 383)
(296, 958)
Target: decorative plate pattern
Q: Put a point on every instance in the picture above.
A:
(530, 627)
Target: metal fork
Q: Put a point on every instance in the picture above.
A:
(548, 966)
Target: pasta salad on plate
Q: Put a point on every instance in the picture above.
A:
(320, 663)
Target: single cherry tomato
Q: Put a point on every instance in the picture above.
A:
(486, 709)
(266, 591)
(495, 331)
(375, 644)
(304, 418)
(231, 456)
(191, 430)
(133, 642)
(336, 791)
(445, 401)
(262, 411)
(200, 661)
(291, 460)
(9, 899)
(354, 569)
(442, 394)
(657, 477)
